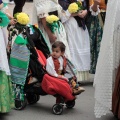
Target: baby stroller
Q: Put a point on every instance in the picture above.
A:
(29, 77)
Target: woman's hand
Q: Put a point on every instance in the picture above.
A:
(82, 13)
(52, 37)
(64, 78)
(13, 21)
(95, 5)
(1, 6)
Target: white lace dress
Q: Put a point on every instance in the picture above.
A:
(40, 10)
(108, 61)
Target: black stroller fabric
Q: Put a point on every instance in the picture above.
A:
(37, 40)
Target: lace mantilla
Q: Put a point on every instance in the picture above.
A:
(108, 60)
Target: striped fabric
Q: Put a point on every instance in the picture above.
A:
(19, 60)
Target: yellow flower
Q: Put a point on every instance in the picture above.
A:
(51, 18)
(73, 7)
(22, 18)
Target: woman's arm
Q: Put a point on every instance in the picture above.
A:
(7, 12)
(95, 5)
(82, 14)
(51, 35)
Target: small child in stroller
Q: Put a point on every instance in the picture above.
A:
(56, 66)
(28, 60)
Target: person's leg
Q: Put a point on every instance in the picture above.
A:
(18, 6)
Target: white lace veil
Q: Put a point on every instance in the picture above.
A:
(108, 61)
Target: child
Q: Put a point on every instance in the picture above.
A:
(41, 10)
(56, 65)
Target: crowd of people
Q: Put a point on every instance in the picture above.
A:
(80, 32)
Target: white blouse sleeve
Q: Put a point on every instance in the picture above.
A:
(65, 16)
(93, 12)
(50, 67)
(44, 6)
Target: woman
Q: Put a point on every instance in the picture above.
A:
(95, 21)
(78, 38)
(18, 6)
(108, 63)
(43, 8)
(6, 93)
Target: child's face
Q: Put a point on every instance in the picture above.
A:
(56, 52)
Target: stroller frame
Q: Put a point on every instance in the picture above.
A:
(33, 91)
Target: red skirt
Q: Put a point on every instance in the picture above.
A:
(55, 86)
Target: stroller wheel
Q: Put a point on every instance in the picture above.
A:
(70, 104)
(57, 109)
(19, 105)
(32, 98)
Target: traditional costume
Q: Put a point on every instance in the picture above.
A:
(6, 92)
(95, 22)
(54, 66)
(108, 63)
(43, 8)
(78, 39)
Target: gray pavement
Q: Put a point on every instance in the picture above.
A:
(83, 110)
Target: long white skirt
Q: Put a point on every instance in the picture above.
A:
(79, 44)
(3, 55)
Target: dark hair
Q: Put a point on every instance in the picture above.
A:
(60, 45)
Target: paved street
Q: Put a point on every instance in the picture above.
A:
(83, 110)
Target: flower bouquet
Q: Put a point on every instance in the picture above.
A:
(75, 7)
(22, 20)
(52, 22)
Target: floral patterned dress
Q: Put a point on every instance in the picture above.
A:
(95, 23)
(6, 92)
